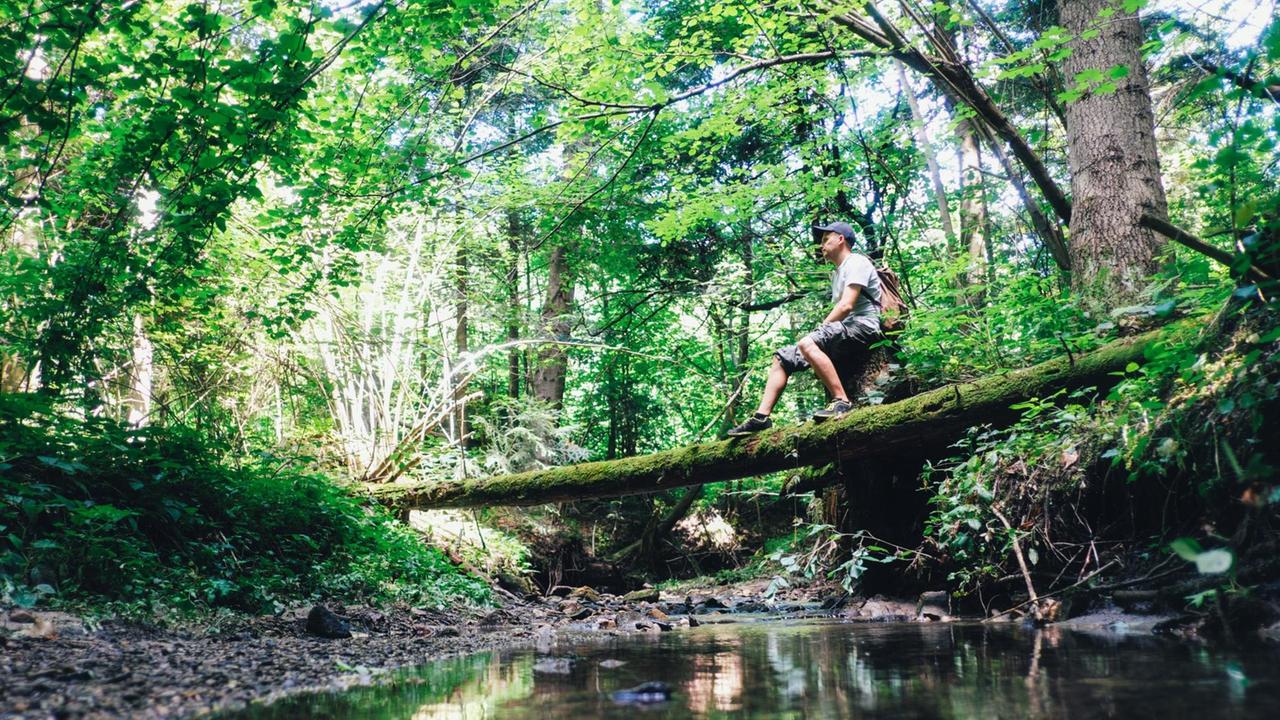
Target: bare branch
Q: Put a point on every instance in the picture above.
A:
(1186, 239)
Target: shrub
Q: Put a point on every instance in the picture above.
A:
(93, 511)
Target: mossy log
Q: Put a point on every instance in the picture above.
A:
(928, 420)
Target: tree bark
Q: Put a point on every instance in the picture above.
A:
(547, 383)
(1111, 147)
(916, 425)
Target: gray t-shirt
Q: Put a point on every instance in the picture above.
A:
(858, 270)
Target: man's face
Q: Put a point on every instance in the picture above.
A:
(831, 244)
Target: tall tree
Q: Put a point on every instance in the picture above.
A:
(1111, 147)
(547, 382)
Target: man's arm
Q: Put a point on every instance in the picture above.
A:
(844, 305)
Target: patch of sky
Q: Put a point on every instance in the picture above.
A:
(1240, 22)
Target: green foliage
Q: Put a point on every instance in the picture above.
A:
(1172, 419)
(1039, 455)
(1215, 561)
(822, 550)
(524, 434)
(1024, 319)
(267, 191)
(95, 512)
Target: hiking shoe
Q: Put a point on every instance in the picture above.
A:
(835, 409)
(754, 424)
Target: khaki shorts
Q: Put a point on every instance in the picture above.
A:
(839, 341)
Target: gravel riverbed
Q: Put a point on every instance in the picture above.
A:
(55, 665)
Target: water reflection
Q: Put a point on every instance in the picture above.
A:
(828, 669)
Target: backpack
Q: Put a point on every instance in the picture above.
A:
(893, 310)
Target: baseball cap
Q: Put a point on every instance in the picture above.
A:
(841, 228)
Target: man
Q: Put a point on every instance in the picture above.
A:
(848, 330)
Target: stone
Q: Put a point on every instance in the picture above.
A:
(934, 606)
(643, 694)
(21, 616)
(554, 666)
(835, 602)
(322, 622)
(642, 595)
(657, 614)
(585, 593)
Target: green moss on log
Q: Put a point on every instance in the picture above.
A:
(937, 416)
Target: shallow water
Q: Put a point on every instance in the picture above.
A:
(820, 669)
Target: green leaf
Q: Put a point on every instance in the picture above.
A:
(1186, 548)
(54, 462)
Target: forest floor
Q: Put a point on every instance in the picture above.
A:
(55, 664)
(60, 665)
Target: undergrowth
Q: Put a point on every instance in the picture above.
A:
(93, 512)
(1177, 447)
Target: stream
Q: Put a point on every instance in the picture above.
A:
(824, 668)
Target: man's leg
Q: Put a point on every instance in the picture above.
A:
(773, 387)
(785, 361)
(823, 368)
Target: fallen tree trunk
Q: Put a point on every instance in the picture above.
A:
(928, 420)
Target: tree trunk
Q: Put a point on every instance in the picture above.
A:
(141, 373)
(1111, 146)
(458, 416)
(926, 423)
(514, 307)
(742, 352)
(930, 157)
(548, 379)
(973, 208)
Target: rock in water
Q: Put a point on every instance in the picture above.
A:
(641, 595)
(322, 622)
(585, 593)
(934, 606)
(554, 665)
(644, 694)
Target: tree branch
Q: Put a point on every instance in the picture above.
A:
(1186, 239)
